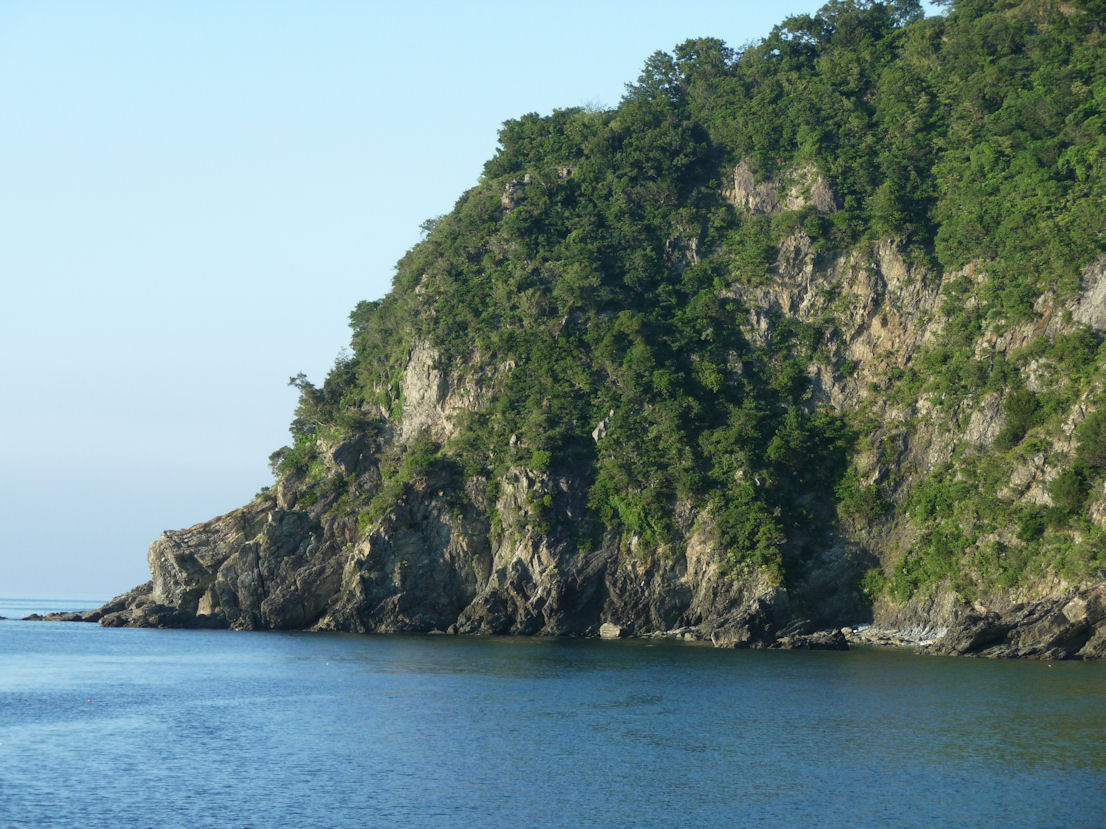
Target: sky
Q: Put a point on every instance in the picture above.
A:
(194, 196)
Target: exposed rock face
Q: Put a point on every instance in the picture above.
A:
(1091, 306)
(428, 388)
(431, 563)
(430, 567)
(513, 191)
(791, 190)
(1065, 622)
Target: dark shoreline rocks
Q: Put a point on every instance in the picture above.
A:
(824, 640)
(1068, 625)
(1035, 632)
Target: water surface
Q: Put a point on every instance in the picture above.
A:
(217, 728)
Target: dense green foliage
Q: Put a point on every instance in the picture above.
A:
(597, 274)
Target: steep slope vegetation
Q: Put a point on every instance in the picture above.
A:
(797, 337)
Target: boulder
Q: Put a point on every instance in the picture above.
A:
(609, 630)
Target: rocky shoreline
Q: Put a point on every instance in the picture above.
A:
(1073, 631)
(836, 639)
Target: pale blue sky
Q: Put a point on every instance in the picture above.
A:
(193, 196)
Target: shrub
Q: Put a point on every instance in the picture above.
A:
(1022, 412)
(1092, 440)
(858, 500)
(420, 458)
(1076, 352)
(1032, 524)
(873, 584)
(1069, 490)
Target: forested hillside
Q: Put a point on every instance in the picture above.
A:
(799, 335)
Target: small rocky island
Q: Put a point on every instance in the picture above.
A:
(801, 344)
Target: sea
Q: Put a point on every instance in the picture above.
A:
(167, 728)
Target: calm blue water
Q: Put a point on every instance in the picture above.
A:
(125, 727)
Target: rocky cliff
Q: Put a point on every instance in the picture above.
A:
(670, 370)
(432, 561)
